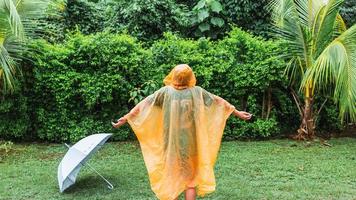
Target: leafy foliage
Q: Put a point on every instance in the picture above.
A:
(246, 65)
(76, 88)
(80, 85)
(83, 84)
(250, 15)
(73, 15)
(348, 12)
(14, 117)
(148, 20)
(18, 21)
(321, 52)
(85, 16)
(207, 19)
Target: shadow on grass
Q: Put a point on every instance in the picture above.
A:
(93, 183)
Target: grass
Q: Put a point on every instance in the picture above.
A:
(276, 169)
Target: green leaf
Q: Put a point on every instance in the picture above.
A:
(200, 5)
(216, 6)
(204, 27)
(202, 14)
(217, 21)
(194, 20)
(324, 25)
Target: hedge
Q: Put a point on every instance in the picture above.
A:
(76, 88)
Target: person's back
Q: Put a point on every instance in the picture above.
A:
(179, 128)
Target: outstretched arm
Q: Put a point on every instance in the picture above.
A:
(156, 98)
(242, 114)
(132, 113)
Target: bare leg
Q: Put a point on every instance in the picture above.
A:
(190, 194)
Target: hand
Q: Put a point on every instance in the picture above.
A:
(243, 115)
(119, 122)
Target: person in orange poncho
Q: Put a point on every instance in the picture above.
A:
(179, 129)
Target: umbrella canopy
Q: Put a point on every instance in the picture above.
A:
(76, 157)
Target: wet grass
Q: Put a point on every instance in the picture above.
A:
(275, 169)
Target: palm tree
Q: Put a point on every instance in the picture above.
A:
(18, 20)
(321, 52)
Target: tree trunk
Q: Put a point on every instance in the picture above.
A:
(306, 130)
(269, 102)
(263, 104)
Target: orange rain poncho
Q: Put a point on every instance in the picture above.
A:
(179, 128)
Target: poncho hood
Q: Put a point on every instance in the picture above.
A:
(181, 77)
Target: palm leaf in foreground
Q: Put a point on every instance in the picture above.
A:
(337, 65)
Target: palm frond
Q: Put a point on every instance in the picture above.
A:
(19, 20)
(303, 11)
(33, 9)
(294, 70)
(14, 19)
(339, 26)
(15, 48)
(337, 65)
(24, 15)
(289, 28)
(313, 8)
(4, 23)
(307, 10)
(7, 69)
(323, 29)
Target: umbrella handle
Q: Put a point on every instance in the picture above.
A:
(110, 186)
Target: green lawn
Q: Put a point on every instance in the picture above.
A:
(276, 169)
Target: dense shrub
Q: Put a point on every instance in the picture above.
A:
(84, 83)
(348, 12)
(148, 19)
(14, 114)
(240, 68)
(73, 15)
(204, 56)
(212, 18)
(77, 87)
(80, 85)
(328, 120)
(86, 16)
(249, 15)
(207, 19)
(14, 117)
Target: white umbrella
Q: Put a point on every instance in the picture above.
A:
(76, 157)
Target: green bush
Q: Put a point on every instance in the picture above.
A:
(88, 17)
(84, 83)
(239, 68)
(76, 88)
(14, 115)
(348, 12)
(148, 19)
(72, 15)
(259, 129)
(80, 85)
(207, 19)
(250, 15)
(328, 120)
(204, 56)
